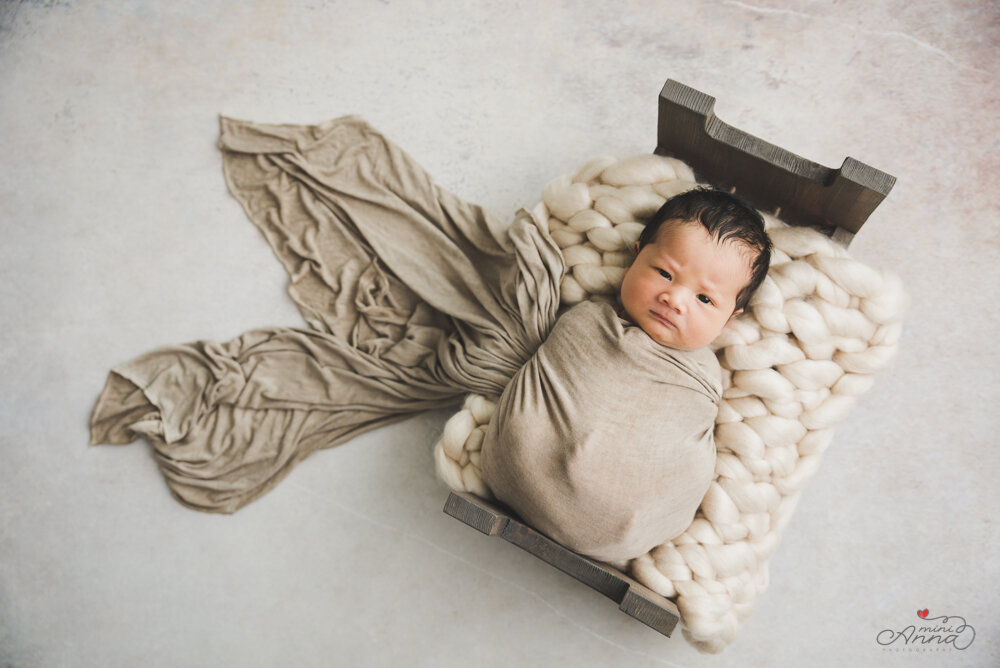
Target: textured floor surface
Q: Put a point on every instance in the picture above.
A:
(119, 236)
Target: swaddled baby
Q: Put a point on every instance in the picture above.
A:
(603, 440)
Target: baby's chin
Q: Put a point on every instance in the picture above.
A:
(676, 345)
(663, 336)
(673, 338)
(675, 342)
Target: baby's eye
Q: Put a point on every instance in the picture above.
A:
(665, 274)
(704, 299)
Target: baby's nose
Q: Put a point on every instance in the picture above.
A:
(674, 300)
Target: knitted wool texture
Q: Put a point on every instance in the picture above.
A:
(816, 331)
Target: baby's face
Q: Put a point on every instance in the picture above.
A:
(681, 289)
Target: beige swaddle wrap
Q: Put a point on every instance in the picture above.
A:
(603, 440)
(415, 299)
(414, 296)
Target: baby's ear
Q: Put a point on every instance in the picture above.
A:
(635, 248)
(736, 313)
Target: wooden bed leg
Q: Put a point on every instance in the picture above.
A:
(639, 602)
(479, 516)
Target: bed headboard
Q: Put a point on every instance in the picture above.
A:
(836, 201)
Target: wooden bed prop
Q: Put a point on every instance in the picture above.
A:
(835, 201)
(800, 192)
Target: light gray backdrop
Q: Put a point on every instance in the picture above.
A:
(119, 236)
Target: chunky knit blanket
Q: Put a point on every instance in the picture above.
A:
(793, 364)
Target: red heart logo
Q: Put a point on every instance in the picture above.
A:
(922, 613)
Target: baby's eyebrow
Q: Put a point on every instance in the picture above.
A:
(709, 288)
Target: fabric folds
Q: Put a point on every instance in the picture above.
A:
(414, 297)
(602, 438)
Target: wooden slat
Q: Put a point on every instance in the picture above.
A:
(836, 201)
(634, 599)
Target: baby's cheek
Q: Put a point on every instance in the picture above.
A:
(712, 331)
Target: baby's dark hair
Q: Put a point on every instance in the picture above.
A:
(727, 217)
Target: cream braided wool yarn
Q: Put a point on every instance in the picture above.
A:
(817, 329)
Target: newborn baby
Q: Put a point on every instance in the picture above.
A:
(603, 440)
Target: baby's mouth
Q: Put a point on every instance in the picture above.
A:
(663, 319)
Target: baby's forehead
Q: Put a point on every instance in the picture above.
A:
(681, 235)
(726, 262)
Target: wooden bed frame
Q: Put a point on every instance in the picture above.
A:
(837, 202)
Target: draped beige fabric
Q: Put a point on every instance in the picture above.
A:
(416, 298)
